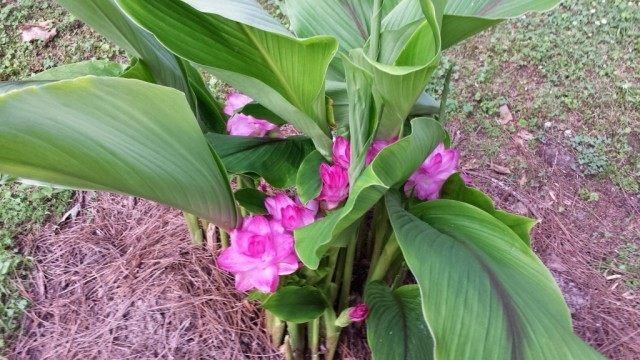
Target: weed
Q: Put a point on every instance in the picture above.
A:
(22, 209)
(588, 195)
(591, 153)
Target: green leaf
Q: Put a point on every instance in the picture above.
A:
(166, 68)
(296, 304)
(362, 125)
(252, 200)
(349, 23)
(398, 86)
(308, 182)
(463, 19)
(276, 160)
(396, 329)
(116, 135)
(284, 74)
(91, 67)
(485, 295)
(425, 106)
(455, 189)
(389, 169)
(248, 12)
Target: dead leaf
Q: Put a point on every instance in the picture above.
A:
(505, 115)
(41, 31)
(525, 135)
(500, 169)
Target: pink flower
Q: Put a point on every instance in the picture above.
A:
(427, 181)
(260, 252)
(376, 147)
(291, 215)
(335, 185)
(341, 152)
(358, 313)
(235, 101)
(247, 125)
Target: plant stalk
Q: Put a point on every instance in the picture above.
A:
(224, 238)
(376, 22)
(296, 337)
(332, 334)
(313, 338)
(380, 226)
(389, 253)
(193, 224)
(347, 274)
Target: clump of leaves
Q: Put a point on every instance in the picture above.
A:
(591, 153)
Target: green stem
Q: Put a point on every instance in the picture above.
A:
(376, 22)
(224, 238)
(332, 334)
(389, 253)
(347, 274)
(380, 226)
(275, 327)
(400, 275)
(313, 336)
(197, 236)
(445, 96)
(296, 336)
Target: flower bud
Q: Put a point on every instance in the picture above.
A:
(350, 315)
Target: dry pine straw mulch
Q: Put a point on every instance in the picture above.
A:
(122, 281)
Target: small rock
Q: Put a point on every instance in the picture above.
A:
(41, 31)
(558, 156)
(505, 115)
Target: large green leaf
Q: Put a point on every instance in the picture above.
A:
(167, 69)
(284, 74)
(389, 169)
(455, 189)
(116, 135)
(296, 304)
(396, 329)
(485, 295)
(276, 160)
(463, 19)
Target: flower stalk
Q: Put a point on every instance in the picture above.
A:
(389, 253)
(197, 236)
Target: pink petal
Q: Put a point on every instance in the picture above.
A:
(341, 152)
(236, 101)
(233, 261)
(275, 204)
(288, 265)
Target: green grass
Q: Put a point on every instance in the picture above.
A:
(74, 42)
(567, 75)
(22, 210)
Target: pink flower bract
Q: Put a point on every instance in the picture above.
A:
(341, 152)
(335, 185)
(358, 313)
(235, 101)
(260, 251)
(376, 147)
(247, 125)
(427, 181)
(291, 215)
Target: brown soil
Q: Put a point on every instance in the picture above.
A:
(123, 281)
